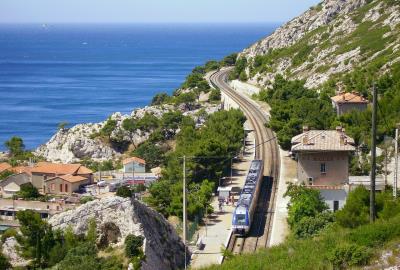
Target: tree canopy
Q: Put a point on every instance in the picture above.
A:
(214, 144)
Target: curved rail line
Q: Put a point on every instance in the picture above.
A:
(260, 232)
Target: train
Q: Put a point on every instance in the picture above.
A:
(246, 205)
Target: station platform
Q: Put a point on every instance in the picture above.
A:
(217, 231)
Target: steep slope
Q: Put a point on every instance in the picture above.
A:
(328, 40)
(116, 218)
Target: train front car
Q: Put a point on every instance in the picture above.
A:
(243, 214)
(241, 221)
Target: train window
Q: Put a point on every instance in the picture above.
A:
(240, 219)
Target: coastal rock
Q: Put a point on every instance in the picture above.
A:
(68, 146)
(162, 246)
(76, 143)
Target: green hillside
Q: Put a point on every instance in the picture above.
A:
(329, 49)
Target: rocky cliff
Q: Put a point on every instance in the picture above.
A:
(117, 217)
(76, 143)
(329, 39)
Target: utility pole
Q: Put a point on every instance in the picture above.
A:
(184, 207)
(396, 161)
(373, 156)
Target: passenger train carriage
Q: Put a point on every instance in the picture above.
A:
(246, 205)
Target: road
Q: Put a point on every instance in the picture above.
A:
(260, 231)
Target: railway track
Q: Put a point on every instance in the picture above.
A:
(266, 150)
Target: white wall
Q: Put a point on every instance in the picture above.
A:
(331, 195)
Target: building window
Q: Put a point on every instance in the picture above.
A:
(310, 181)
(66, 188)
(61, 187)
(53, 187)
(335, 206)
(323, 168)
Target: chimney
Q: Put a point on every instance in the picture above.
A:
(339, 129)
(305, 129)
(343, 140)
(305, 139)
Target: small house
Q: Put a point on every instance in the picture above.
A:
(347, 102)
(65, 184)
(44, 171)
(11, 185)
(134, 165)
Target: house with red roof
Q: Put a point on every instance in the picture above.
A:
(71, 176)
(347, 102)
(4, 166)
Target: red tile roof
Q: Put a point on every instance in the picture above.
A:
(133, 159)
(47, 167)
(22, 169)
(4, 166)
(69, 178)
(353, 97)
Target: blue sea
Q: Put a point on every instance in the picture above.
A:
(84, 73)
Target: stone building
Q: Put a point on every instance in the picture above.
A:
(322, 156)
(45, 171)
(347, 102)
(65, 184)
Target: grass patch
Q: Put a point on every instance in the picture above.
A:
(336, 248)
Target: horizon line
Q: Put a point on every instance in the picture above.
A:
(144, 22)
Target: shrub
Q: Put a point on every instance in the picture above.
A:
(346, 255)
(372, 235)
(28, 191)
(4, 263)
(124, 192)
(356, 210)
(11, 232)
(215, 95)
(304, 202)
(108, 128)
(160, 98)
(133, 245)
(5, 174)
(310, 226)
(152, 153)
(86, 199)
(229, 60)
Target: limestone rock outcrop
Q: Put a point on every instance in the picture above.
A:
(328, 40)
(10, 249)
(117, 217)
(76, 143)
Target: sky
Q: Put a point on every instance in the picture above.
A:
(150, 11)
